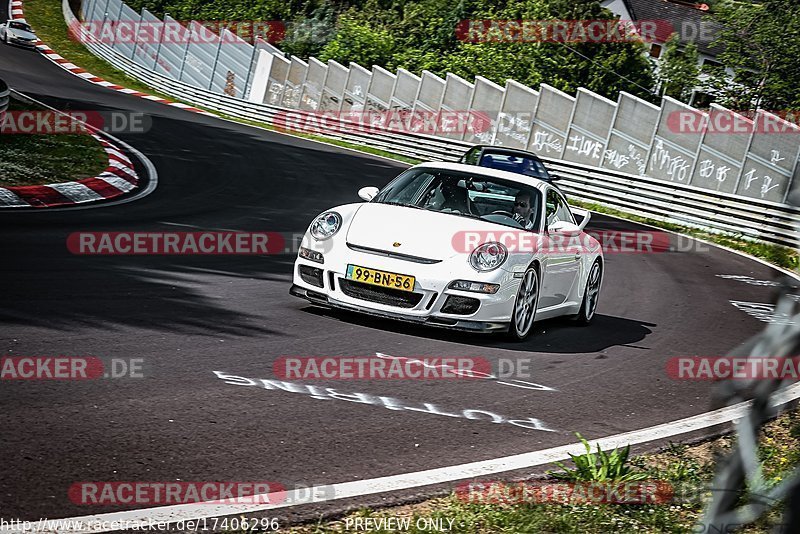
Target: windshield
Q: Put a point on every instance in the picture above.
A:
(529, 166)
(478, 197)
(20, 26)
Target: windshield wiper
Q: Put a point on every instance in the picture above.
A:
(403, 204)
(468, 215)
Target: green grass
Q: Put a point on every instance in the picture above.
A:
(27, 159)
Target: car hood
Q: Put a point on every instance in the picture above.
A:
(416, 232)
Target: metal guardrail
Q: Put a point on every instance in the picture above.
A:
(638, 195)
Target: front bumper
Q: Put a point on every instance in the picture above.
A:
(431, 302)
(322, 299)
(24, 44)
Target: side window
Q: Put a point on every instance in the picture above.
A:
(551, 207)
(557, 208)
(564, 213)
(471, 157)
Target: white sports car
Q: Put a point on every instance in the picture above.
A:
(454, 246)
(18, 33)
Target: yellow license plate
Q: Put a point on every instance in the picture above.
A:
(380, 278)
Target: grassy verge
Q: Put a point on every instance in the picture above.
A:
(679, 465)
(44, 159)
(47, 19)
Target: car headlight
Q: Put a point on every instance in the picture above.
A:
(488, 257)
(326, 225)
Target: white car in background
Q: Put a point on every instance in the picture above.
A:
(18, 33)
(444, 244)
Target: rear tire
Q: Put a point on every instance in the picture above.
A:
(591, 295)
(524, 315)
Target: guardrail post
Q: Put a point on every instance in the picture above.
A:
(88, 9)
(105, 16)
(533, 121)
(653, 137)
(119, 15)
(246, 92)
(794, 173)
(699, 148)
(160, 39)
(186, 52)
(499, 115)
(744, 158)
(610, 129)
(569, 127)
(136, 41)
(214, 66)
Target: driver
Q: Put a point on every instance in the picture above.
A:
(522, 209)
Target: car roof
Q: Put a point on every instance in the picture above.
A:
(485, 171)
(498, 149)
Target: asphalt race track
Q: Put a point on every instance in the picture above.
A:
(187, 316)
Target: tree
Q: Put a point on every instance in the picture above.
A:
(307, 36)
(678, 73)
(761, 44)
(360, 43)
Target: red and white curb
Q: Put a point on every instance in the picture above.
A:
(89, 77)
(17, 13)
(118, 178)
(16, 10)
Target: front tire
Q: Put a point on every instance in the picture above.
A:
(525, 306)
(591, 295)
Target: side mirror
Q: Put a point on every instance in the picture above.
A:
(368, 193)
(564, 228)
(584, 215)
